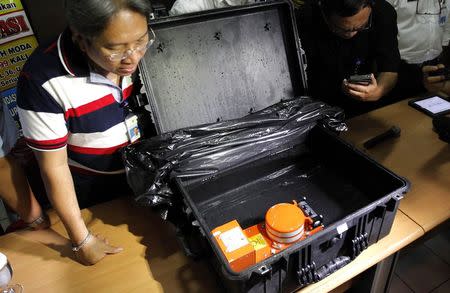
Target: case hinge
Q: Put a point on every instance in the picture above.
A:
(304, 59)
(307, 274)
(359, 244)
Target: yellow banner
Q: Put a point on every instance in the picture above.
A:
(12, 57)
(16, 42)
(8, 6)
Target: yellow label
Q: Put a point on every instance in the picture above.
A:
(257, 241)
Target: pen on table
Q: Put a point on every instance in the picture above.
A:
(392, 132)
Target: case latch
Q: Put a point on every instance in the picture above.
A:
(159, 10)
(264, 270)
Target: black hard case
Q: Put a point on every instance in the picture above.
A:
(224, 64)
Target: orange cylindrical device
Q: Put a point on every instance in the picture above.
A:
(285, 223)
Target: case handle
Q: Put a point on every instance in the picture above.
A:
(308, 273)
(331, 267)
(359, 244)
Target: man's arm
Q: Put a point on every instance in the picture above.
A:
(17, 194)
(60, 189)
(14, 188)
(386, 82)
(61, 192)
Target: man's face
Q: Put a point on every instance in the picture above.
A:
(348, 27)
(122, 44)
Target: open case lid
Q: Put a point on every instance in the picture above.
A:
(222, 64)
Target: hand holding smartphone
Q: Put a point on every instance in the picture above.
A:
(362, 79)
(441, 72)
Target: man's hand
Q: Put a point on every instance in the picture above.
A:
(435, 84)
(95, 249)
(365, 93)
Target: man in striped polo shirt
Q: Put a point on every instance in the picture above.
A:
(71, 97)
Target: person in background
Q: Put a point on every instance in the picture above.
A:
(435, 84)
(72, 100)
(349, 37)
(423, 36)
(14, 188)
(188, 6)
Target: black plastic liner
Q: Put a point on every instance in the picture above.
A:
(316, 169)
(204, 150)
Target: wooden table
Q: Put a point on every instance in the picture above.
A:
(417, 154)
(152, 260)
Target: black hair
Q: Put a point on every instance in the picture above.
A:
(90, 17)
(344, 8)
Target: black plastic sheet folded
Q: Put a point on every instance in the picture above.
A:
(206, 149)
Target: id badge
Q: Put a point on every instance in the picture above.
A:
(443, 15)
(133, 131)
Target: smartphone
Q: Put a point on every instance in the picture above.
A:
(432, 106)
(363, 79)
(441, 71)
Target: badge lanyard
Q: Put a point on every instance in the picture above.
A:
(131, 122)
(443, 14)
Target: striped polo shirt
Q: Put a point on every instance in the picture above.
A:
(64, 105)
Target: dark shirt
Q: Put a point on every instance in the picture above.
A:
(332, 59)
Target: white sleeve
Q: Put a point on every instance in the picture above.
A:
(394, 3)
(188, 6)
(44, 131)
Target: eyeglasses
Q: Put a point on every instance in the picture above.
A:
(340, 30)
(429, 7)
(119, 56)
